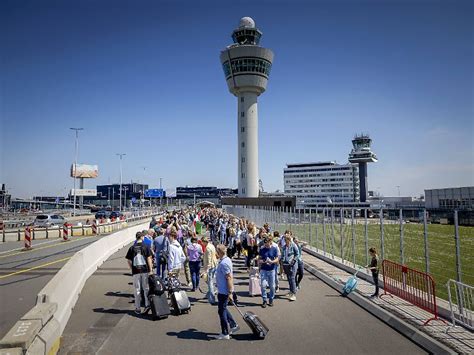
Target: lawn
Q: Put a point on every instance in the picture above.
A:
(442, 251)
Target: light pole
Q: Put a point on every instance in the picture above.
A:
(398, 187)
(125, 188)
(120, 189)
(161, 188)
(75, 165)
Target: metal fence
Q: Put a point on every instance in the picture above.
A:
(461, 303)
(444, 251)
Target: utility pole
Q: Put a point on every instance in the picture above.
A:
(120, 190)
(75, 165)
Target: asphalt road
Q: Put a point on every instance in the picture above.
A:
(319, 322)
(24, 273)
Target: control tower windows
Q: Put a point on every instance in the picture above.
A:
(254, 65)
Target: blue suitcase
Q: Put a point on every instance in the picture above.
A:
(350, 285)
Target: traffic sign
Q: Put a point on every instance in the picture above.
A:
(154, 193)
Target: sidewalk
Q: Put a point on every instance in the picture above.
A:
(457, 338)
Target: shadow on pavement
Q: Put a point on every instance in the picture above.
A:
(191, 334)
(114, 311)
(119, 294)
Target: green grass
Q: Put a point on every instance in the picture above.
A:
(442, 252)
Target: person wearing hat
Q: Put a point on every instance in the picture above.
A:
(139, 258)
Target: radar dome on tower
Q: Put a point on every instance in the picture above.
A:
(246, 22)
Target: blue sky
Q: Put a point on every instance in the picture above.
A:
(144, 78)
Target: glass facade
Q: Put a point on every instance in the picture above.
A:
(247, 36)
(254, 65)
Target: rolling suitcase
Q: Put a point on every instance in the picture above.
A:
(180, 302)
(350, 285)
(254, 282)
(156, 285)
(259, 329)
(160, 308)
(254, 286)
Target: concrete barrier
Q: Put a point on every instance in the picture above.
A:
(39, 330)
(64, 288)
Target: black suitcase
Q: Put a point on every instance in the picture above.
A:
(156, 284)
(160, 308)
(259, 329)
(180, 302)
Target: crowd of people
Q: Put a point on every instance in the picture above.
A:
(171, 245)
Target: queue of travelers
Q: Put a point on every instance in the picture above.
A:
(171, 245)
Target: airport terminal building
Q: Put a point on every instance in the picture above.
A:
(322, 184)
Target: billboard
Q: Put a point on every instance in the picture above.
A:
(154, 193)
(84, 192)
(85, 171)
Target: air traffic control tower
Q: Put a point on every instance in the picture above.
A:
(362, 155)
(247, 68)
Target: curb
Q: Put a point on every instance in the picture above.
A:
(423, 340)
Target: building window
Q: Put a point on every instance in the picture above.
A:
(242, 129)
(242, 114)
(243, 159)
(243, 175)
(241, 99)
(243, 190)
(243, 144)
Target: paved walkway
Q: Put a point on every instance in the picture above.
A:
(457, 338)
(320, 321)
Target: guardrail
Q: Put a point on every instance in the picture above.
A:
(74, 230)
(461, 303)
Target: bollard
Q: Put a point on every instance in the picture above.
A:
(65, 232)
(94, 227)
(27, 238)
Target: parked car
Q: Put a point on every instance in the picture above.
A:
(47, 220)
(102, 214)
(116, 214)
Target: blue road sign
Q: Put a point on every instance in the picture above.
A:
(154, 193)
(134, 200)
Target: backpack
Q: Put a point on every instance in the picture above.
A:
(138, 260)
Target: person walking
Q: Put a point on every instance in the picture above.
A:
(139, 258)
(209, 266)
(300, 268)
(225, 289)
(176, 257)
(161, 246)
(374, 268)
(194, 252)
(268, 260)
(290, 264)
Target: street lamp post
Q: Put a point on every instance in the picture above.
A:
(398, 187)
(125, 188)
(161, 188)
(75, 165)
(120, 189)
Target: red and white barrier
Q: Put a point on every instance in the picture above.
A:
(65, 232)
(27, 238)
(94, 227)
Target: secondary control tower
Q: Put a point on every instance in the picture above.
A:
(247, 68)
(362, 155)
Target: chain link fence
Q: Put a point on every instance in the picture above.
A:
(444, 251)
